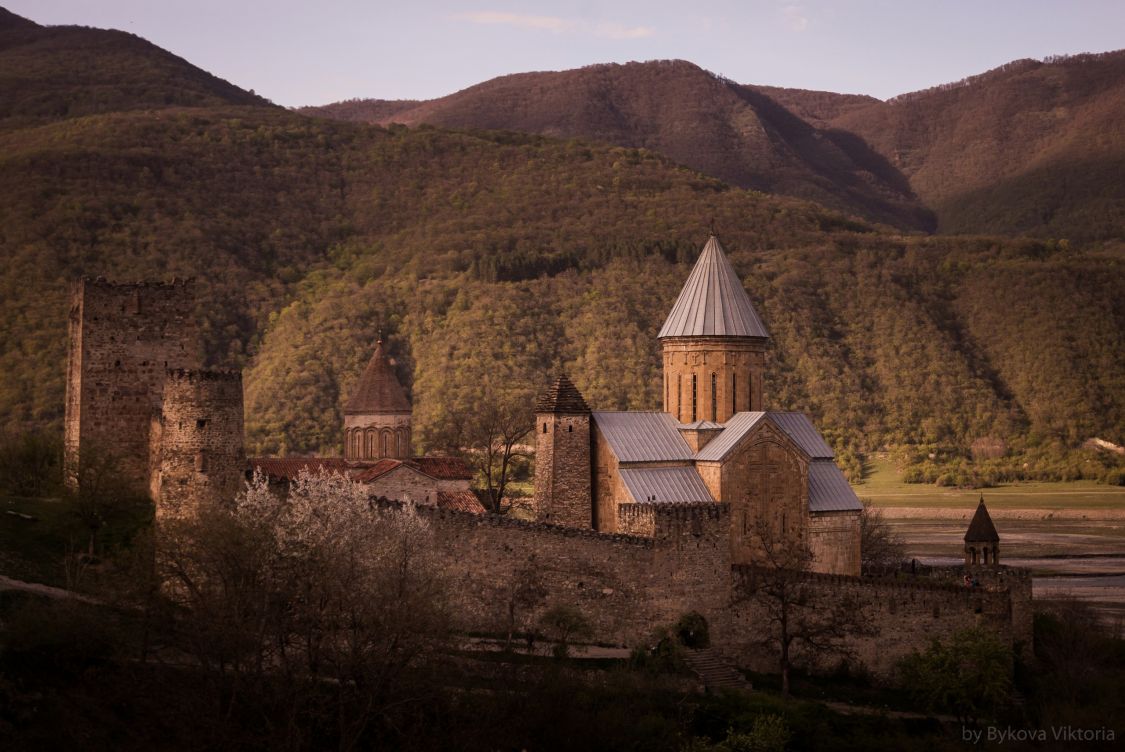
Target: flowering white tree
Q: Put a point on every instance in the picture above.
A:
(319, 584)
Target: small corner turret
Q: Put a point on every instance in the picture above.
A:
(982, 542)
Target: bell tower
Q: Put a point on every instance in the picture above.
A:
(714, 344)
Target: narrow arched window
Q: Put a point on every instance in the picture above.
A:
(694, 396)
(714, 396)
(387, 444)
(733, 393)
(544, 428)
(679, 397)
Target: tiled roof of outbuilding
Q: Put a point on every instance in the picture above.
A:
(713, 302)
(562, 397)
(378, 389)
(460, 501)
(288, 468)
(439, 468)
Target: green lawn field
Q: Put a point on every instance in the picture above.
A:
(884, 487)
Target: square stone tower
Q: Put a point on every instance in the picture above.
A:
(123, 340)
(563, 473)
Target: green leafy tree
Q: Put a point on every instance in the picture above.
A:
(970, 675)
(479, 371)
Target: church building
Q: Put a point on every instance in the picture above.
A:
(714, 441)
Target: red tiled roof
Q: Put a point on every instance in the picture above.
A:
(288, 468)
(443, 468)
(369, 473)
(460, 501)
(377, 390)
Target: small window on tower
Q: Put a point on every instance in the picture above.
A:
(201, 461)
(544, 428)
(569, 428)
(714, 397)
(201, 423)
(694, 395)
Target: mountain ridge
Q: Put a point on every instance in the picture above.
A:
(902, 161)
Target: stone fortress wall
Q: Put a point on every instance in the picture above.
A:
(134, 385)
(670, 559)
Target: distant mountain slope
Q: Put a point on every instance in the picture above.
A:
(1029, 148)
(734, 133)
(51, 72)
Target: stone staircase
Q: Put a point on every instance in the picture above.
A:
(714, 671)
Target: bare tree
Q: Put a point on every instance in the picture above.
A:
(798, 612)
(525, 591)
(489, 438)
(880, 547)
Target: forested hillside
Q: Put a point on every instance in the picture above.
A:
(501, 258)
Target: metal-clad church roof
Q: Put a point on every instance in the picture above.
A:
(642, 436)
(713, 302)
(796, 426)
(829, 490)
(665, 484)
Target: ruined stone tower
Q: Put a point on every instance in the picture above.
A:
(982, 542)
(377, 417)
(562, 457)
(714, 345)
(196, 457)
(123, 338)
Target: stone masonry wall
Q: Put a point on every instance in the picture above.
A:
(834, 542)
(404, 483)
(201, 456)
(623, 585)
(123, 337)
(737, 364)
(903, 616)
(562, 469)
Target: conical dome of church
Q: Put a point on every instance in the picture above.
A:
(378, 389)
(713, 302)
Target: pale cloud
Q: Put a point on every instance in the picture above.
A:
(794, 16)
(556, 24)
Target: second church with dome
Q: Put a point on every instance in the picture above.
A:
(714, 441)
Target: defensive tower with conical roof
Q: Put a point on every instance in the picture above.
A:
(982, 542)
(377, 417)
(714, 344)
(562, 457)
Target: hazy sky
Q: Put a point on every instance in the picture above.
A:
(306, 52)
